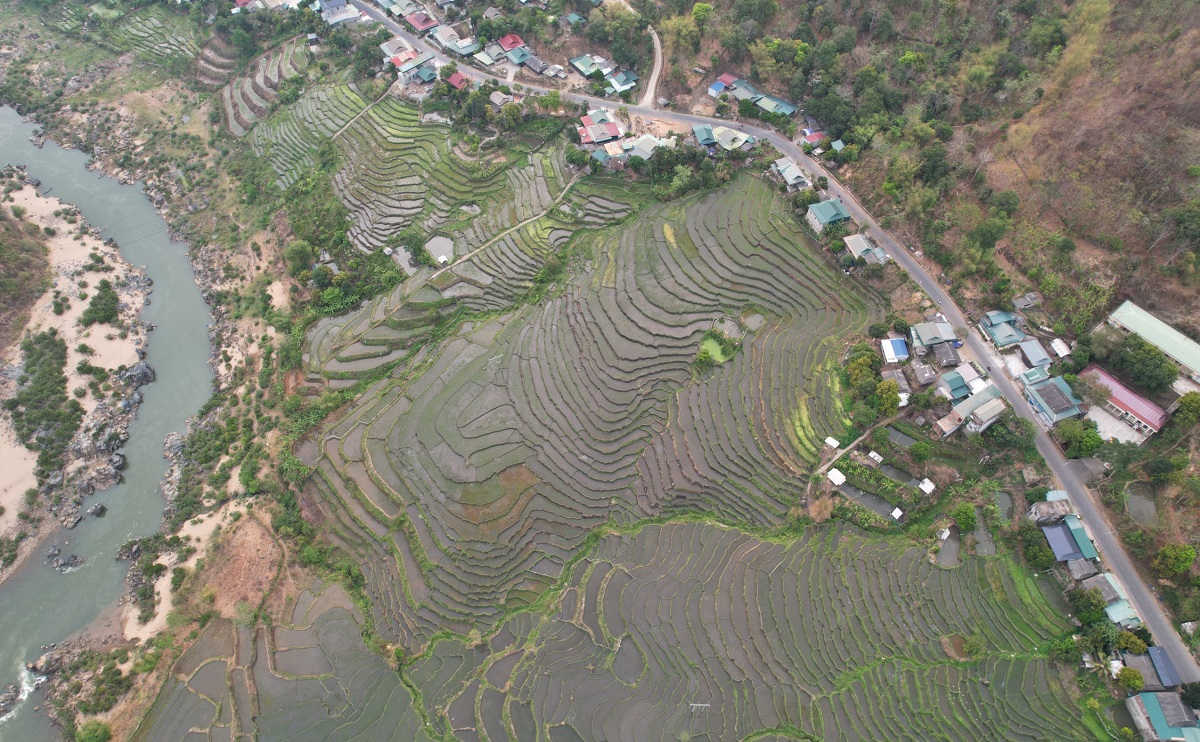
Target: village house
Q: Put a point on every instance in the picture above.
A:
(861, 247)
(825, 214)
(1001, 329)
(926, 335)
(788, 172)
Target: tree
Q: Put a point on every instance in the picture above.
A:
(1129, 642)
(445, 72)
(1188, 412)
(681, 35)
(1080, 437)
(1191, 694)
(577, 157)
(964, 515)
(920, 451)
(1065, 650)
(888, 392)
(702, 13)
(93, 731)
(1130, 679)
(878, 330)
(1146, 366)
(299, 256)
(1175, 559)
(1087, 604)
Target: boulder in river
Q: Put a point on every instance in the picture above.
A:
(97, 510)
(117, 461)
(139, 374)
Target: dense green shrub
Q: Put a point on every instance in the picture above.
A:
(103, 307)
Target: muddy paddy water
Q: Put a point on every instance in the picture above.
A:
(39, 606)
(1141, 504)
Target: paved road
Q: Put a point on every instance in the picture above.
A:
(1082, 499)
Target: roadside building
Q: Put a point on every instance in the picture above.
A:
(946, 355)
(927, 335)
(458, 81)
(1163, 716)
(619, 82)
(826, 214)
(1124, 404)
(790, 173)
(1081, 569)
(598, 126)
(861, 247)
(716, 89)
(519, 55)
(1052, 510)
(421, 22)
(1001, 329)
(1034, 353)
(976, 412)
(1062, 542)
(771, 104)
(731, 139)
(500, 99)
(536, 65)
(704, 135)
(1180, 348)
(1053, 400)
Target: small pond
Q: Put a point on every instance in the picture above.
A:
(984, 544)
(868, 500)
(1140, 503)
(898, 475)
(900, 439)
(947, 556)
(1004, 503)
(441, 247)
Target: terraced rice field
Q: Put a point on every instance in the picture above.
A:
(466, 480)
(154, 34)
(836, 635)
(216, 63)
(310, 679)
(247, 98)
(289, 140)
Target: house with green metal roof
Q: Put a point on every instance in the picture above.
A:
(1174, 344)
(1001, 328)
(575, 20)
(743, 90)
(826, 213)
(519, 55)
(704, 135)
(771, 104)
(1086, 547)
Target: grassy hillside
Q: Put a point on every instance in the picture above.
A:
(23, 267)
(1019, 142)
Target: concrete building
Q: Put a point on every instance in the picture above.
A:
(1127, 406)
(826, 214)
(1001, 329)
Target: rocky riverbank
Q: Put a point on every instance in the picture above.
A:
(105, 368)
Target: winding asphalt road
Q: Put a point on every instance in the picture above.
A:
(1082, 499)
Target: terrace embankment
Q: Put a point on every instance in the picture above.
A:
(466, 480)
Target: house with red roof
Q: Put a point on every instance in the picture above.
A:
(815, 137)
(420, 21)
(406, 55)
(510, 42)
(1126, 405)
(458, 81)
(727, 79)
(598, 127)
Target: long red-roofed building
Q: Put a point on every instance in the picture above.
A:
(1126, 404)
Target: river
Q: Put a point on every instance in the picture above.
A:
(39, 606)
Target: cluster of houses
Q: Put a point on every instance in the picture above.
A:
(619, 80)
(1157, 712)
(740, 90)
(603, 134)
(1125, 415)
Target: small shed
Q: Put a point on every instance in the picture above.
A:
(836, 477)
(832, 442)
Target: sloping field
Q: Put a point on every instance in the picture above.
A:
(216, 62)
(290, 139)
(308, 680)
(836, 635)
(466, 481)
(154, 34)
(247, 97)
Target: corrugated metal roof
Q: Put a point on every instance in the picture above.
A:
(1153, 330)
(1126, 399)
(1035, 353)
(1062, 542)
(1081, 538)
(1164, 666)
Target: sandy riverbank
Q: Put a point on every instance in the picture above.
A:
(69, 251)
